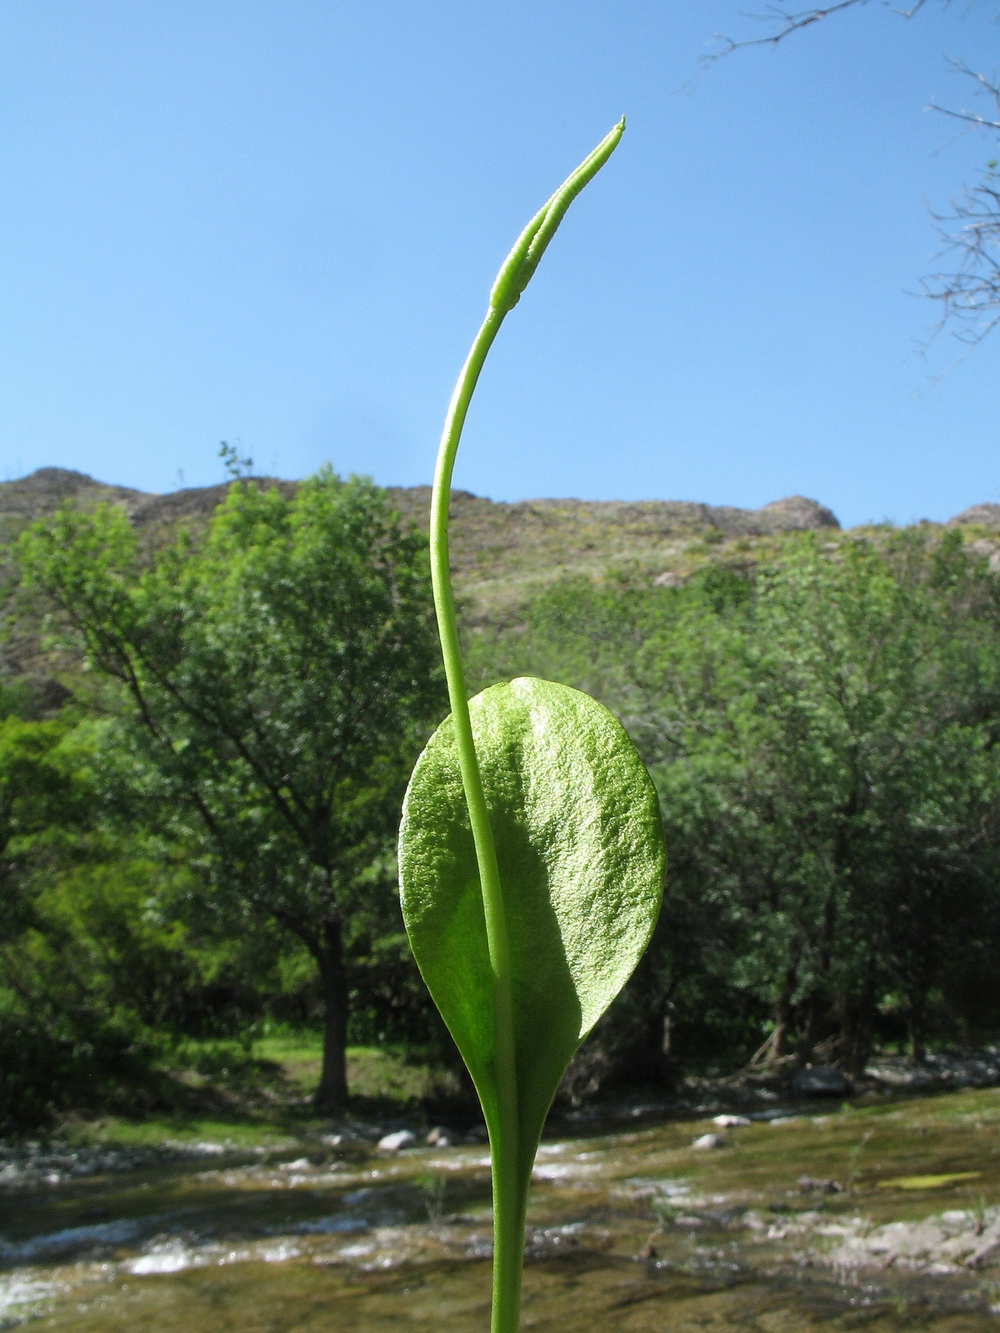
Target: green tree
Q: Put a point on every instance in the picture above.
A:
(279, 676)
(40, 807)
(60, 1034)
(822, 733)
(837, 751)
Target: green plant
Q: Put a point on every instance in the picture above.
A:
(853, 1169)
(531, 849)
(433, 1188)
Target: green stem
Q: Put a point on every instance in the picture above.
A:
(503, 1125)
(509, 1188)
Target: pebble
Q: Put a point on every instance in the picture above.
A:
(403, 1138)
(989, 1247)
(934, 1245)
(26, 1165)
(810, 1184)
(709, 1141)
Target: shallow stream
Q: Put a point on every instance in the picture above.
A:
(897, 1223)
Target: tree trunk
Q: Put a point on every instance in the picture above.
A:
(857, 1015)
(812, 1029)
(331, 1095)
(821, 1034)
(817, 1007)
(915, 1028)
(782, 1018)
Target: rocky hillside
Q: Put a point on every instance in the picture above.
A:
(501, 551)
(43, 491)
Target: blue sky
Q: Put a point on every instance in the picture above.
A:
(277, 223)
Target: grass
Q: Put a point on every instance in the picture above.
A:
(386, 1074)
(898, 1159)
(187, 1129)
(258, 1095)
(378, 1074)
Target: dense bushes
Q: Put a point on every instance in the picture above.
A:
(823, 737)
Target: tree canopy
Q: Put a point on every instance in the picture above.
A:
(277, 674)
(822, 732)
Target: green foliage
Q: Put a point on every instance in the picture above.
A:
(822, 737)
(276, 679)
(67, 1026)
(580, 853)
(38, 798)
(849, 778)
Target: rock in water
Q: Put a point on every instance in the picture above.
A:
(709, 1141)
(402, 1138)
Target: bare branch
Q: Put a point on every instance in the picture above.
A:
(968, 287)
(785, 22)
(967, 283)
(986, 86)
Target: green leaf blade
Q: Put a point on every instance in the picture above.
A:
(581, 857)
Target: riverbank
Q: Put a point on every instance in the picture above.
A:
(400, 1097)
(886, 1206)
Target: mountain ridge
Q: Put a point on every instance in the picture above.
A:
(501, 551)
(44, 489)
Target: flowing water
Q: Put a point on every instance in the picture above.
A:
(897, 1225)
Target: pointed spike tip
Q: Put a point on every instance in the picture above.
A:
(519, 266)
